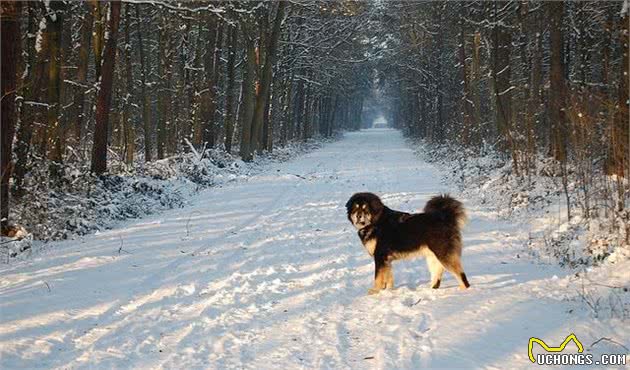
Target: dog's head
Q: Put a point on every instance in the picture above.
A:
(364, 209)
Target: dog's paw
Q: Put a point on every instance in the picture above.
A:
(373, 291)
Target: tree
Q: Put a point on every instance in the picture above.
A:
(249, 91)
(35, 79)
(557, 73)
(128, 126)
(55, 134)
(10, 14)
(103, 102)
(77, 115)
(207, 95)
(146, 103)
(229, 99)
(165, 68)
(262, 99)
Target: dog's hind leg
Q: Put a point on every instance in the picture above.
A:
(454, 266)
(435, 269)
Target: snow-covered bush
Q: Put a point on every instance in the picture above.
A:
(597, 229)
(80, 203)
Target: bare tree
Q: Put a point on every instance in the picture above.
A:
(10, 50)
(99, 152)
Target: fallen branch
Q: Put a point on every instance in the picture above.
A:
(10, 241)
(188, 222)
(611, 341)
(120, 249)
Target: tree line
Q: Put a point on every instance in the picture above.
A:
(132, 82)
(542, 82)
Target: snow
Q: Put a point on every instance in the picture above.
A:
(266, 272)
(85, 204)
(40, 35)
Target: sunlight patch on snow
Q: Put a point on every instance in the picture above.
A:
(48, 273)
(51, 318)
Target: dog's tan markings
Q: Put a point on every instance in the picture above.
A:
(389, 279)
(454, 266)
(383, 276)
(353, 217)
(370, 246)
(435, 268)
(420, 252)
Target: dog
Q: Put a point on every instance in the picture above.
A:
(390, 235)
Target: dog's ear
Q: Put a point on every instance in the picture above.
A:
(349, 204)
(376, 206)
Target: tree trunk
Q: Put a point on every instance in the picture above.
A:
(267, 136)
(476, 85)
(606, 43)
(208, 94)
(216, 77)
(35, 80)
(333, 116)
(249, 97)
(130, 131)
(306, 126)
(164, 96)
(99, 36)
(439, 114)
(103, 101)
(10, 16)
(267, 73)
(198, 83)
(536, 78)
(77, 114)
(621, 131)
(273, 116)
(501, 74)
(146, 103)
(189, 85)
(466, 96)
(298, 109)
(557, 73)
(287, 124)
(229, 89)
(55, 144)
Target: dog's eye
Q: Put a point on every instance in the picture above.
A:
(364, 206)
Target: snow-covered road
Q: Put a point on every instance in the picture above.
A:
(268, 273)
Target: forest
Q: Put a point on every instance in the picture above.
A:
(314, 184)
(94, 89)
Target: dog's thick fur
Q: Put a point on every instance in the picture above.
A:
(389, 235)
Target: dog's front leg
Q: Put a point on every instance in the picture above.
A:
(382, 274)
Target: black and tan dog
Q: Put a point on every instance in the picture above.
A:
(389, 235)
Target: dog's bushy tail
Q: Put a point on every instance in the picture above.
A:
(448, 209)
